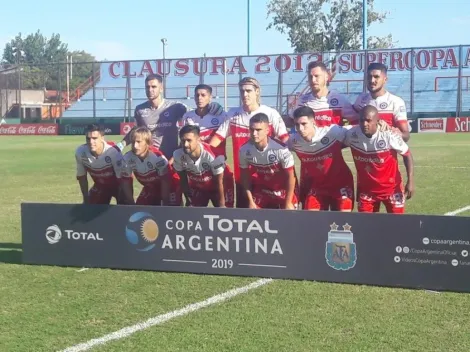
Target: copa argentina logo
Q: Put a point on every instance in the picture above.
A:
(340, 252)
(54, 235)
(142, 231)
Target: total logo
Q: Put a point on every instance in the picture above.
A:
(54, 235)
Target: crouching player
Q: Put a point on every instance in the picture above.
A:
(161, 185)
(201, 171)
(267, 169)
(104, 163)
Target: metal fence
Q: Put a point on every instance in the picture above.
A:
(433, 80)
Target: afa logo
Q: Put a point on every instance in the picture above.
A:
(142, 231)
(340, 252)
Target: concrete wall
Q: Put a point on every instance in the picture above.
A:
(9, 97)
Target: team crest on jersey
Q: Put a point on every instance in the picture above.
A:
(206, 166)
(383, 105)
(340, 250)
(334, 102)
(272, 158)
(166, 113)
(354, 135)
(215, 121)
(325, 140)
(381, 144)
(149, 165)
(108, 160)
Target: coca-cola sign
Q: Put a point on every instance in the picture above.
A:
(29, 130)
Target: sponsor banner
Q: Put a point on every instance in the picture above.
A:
(458, 124)
(126, 127)
(419, 251)
(79, 128)
(432, 125)
(34, 129)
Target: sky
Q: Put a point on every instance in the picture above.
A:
(113, 30)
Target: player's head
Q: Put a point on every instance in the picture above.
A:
(190, 139)
(250, 91)
(202, 95)
(304, 121)
(153, 86)
(259, 128)
(368, 120)
(317, 76)
(141, 140)
(94, 137)
(376, 77)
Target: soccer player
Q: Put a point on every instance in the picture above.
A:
(327, 181)
(391, 108)
(160, 116)
(330, 107)
(237, 125)
(273, 164)
(375, 156)
(201, 171)
(161, 185)
(104, 164)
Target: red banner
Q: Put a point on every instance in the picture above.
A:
(126, 127)
(29, 130)
(458, 124)
(432, 124)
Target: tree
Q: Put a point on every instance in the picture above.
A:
(325, 25)
(43, 60)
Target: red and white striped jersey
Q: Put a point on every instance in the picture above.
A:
(147, 171)
(208, 126)
(331, 109)
(267, 165)
(201, 172)
(105, 170)
(376, 160)
(237, 125)
(322, 164)
(391, 108)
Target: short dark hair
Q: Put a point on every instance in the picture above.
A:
(377, 66)
(203, 86)
(259, 118)
(94, 127)
(304, 111)
(153, 76)
(190, 129)
(313, 64)
(367, 109)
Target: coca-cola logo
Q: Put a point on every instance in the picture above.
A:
(47, 130)
(27, 130)
(433, 124)
(8, 130)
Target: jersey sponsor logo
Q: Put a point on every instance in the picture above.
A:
(215, 121)
(381, 144)
(334, 102)
(272, 158)
(219, 166)
(242, 135)
(318, 158)
(108, 160)
(323, 117)
(383, 105)
(160, 125)
(325, 140)
(369, 159)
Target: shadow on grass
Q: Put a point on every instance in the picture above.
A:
(10, 253)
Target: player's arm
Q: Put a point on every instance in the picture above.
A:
(348, 113)
(82, 178)
(401, 119)
(126, 191)
(280, 130)
(245, 179)
(218, 167)
(178, 167)
(397, 143)
(222, 133)
(163, 171)
(287, 163)
(402, 127)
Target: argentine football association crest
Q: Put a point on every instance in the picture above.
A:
(340, 250)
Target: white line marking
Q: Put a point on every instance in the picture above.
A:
(82, 269)
(266, 265)
(458, 211)
(127, 331)
(184, 261)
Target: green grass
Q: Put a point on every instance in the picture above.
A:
(45, 308)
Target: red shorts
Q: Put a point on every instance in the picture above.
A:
(152, 195)
(201, 198)
(266, 199)
(103, 195)
(337, 201)
(394, 203)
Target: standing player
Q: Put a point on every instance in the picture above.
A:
(391, 108)
(327, 180)
(160, 116)
(150, 167)
(273, 164)
(237, 125)
(104, 164)
(375, 156)
(330, 107)
(201, 171)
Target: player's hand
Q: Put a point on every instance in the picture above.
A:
(215, 109)
(121, 145)
(383, 126)
(409, 189)
(252, 205)
(289, 206)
